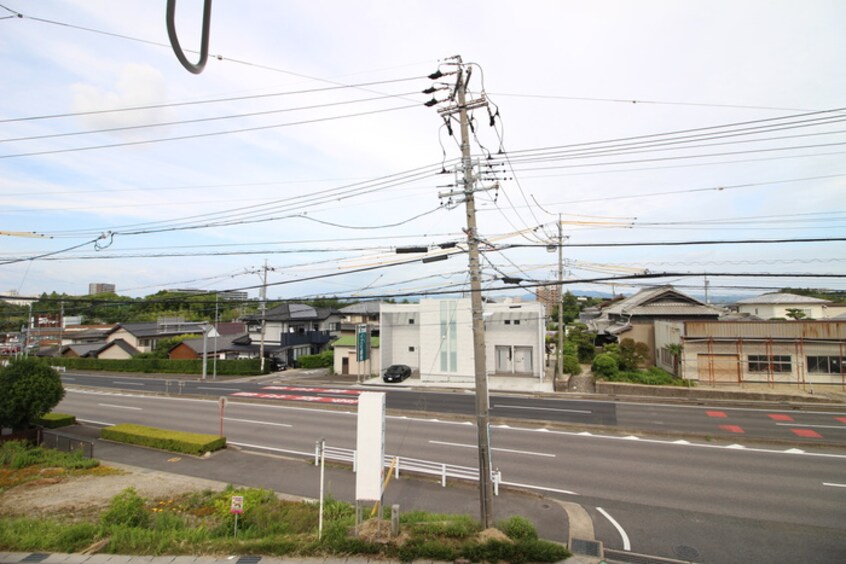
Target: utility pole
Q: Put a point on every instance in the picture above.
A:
(560, 355)
(707, 301)
(217, 330)
(263, 313)
(479, 360)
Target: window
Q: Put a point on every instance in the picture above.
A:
(449, 337)
(410, 349)
(825, 364)
(508, 322)
(516, 322)
(411, 321)
(775, 363)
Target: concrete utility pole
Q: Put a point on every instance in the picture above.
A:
(479, 360)
(263, 313)
(560, 355)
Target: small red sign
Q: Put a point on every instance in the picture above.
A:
(237, 504)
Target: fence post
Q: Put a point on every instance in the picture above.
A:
(443, 475)
(316, 453)
(497, 477)
(396, 469)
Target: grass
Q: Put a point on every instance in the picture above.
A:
(199, 523)
(21, 464)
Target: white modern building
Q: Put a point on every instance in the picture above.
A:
(778, 305)
(435, 338)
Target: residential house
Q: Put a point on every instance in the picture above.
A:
(224, 347)
(346, 356)
(145, 336)
(773, 352)
(294, 330)
(435, 338)
(779, 305)
(113, 350)
(634, 317)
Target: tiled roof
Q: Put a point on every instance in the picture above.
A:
(782, 299)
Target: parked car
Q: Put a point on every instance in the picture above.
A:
(396, 373)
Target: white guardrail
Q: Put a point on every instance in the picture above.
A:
(415, 465)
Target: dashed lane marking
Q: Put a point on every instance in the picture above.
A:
(716, 414)
(780, 417)
(732, 428)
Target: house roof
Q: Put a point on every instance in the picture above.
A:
(158, 329)
(232, 328)
(215, 344)
(294, 312)
(349, 341)
(782, 298)
(83, 349)
(661, 300)
(362, 308)
(121, 344)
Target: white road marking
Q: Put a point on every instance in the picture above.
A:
(542, 488)
(833, 485)
(543, 408)
(69, 379)
(462, 445)
(841, 427)
(626, 544)
(96, 422)
(120, 406)
(220, 389)
(262, 447)
(128, 383)
(259, 422)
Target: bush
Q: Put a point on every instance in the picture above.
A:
(325, 359)
(518, 528)
(176, 441)
(240, 367)
(126, 509)
(18, 454)
(56, 420)
(605, 366)
(570, 364)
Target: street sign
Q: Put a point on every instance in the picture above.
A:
(222, 402)
(362, 342)
(237, 505)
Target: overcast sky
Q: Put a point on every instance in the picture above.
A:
(336, 165)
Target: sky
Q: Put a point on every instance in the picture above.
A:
(305, 145)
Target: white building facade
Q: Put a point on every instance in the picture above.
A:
(435, 338)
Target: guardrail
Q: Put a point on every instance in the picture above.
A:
(414, 465)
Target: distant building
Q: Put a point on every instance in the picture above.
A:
(100, 288)
(549, 296)
(778, 305)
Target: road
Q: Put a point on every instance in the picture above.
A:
(806, 427)
(669, 497)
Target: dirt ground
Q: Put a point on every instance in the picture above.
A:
(84, 495)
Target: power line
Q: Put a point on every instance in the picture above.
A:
(684, 243)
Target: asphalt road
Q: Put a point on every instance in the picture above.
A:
(807, 427)
(723, 502)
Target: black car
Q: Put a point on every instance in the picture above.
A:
(396, 373)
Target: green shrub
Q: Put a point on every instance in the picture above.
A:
(518, 528)
(570, 364)
(56, 420)
(176, 441)
(239, 367)
(126, 509)
(18, 454)
(325, 359)
(604, 366)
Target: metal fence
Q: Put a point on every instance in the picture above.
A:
(413, 465)
(64, 443)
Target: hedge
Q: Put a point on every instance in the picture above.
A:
(176, 441)
(56, 420)
(325, 359)
(241, 367)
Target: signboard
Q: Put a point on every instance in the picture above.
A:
(370, 447)
(237, 506)
(222, 402)
(362, 342)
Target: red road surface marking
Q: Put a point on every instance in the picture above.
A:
(317, 390)
(731, 428)
(780, 417)
(841, 419)
(807, 433)
(289, 397)
(716, 414)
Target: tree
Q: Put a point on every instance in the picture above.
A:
(795, 313)
(632, 354)
(30, 389)
(675, 350)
